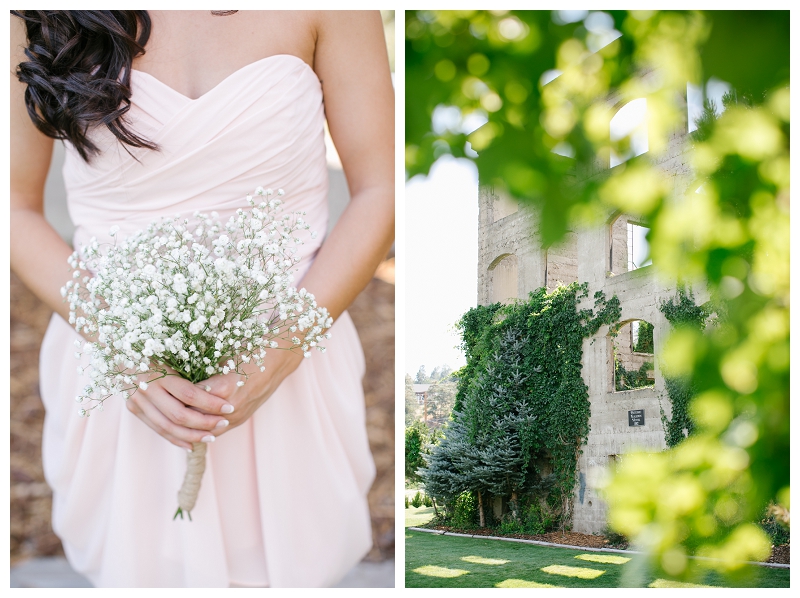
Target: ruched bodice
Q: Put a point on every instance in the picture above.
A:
(283, 500)
(261, 126)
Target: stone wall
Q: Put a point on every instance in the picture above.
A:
(498, 239)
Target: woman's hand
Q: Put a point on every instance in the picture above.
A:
(259, 386)
(180, 411)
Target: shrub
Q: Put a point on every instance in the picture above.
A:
(417, 436)
(465, 511)
(538, 518)
(510, 526)
(426, 500)
(406, 502)
(416, 502)
(777, 532)
(614, 537)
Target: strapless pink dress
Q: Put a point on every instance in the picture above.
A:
(283, 500)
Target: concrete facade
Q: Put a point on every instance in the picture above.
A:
(511, 263)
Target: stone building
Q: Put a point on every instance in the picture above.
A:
(511, 263)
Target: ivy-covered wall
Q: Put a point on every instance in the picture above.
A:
(522, 410)
(681, 311)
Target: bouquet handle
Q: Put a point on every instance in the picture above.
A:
(195, 466)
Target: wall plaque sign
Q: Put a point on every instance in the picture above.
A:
(636, 417)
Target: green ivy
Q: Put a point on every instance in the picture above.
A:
(522, 408)
(631, 379)
(644, 343)
(471, 326)
(681, 311)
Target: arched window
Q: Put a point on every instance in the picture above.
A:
(503, 278)
(630, 123)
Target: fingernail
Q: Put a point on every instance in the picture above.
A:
(208, 388)
(222, 423)
(188, 450)
(227, 409)
(208, 438)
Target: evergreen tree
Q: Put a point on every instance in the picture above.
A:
(441, 477)
(416, 441)
(488, 445)
(502, 423)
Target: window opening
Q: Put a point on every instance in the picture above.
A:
(629, 122)
(633, 356)
(638, 247)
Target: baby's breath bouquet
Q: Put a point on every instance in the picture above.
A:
(191, 298)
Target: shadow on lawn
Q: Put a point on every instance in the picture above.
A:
(445, 561)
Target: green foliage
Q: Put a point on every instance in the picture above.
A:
(778, 532)
(631, 379)
(682, 312)
(705, 122)
(417, 444)
(680, 426)
(406, 501)
(465, 511)
(615, 539)
(416, 502)
(471, 327)
(441, 477)
(463, 59)
(426, 500)
(525, 408)
(644, 342)
(536, 517)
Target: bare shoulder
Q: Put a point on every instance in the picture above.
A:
(334, 21)
(350, 40)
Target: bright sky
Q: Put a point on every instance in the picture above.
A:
(441, 262)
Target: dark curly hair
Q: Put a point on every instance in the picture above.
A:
(78, 72)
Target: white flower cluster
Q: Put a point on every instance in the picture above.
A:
(199, 299)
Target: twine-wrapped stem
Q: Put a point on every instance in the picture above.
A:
(195, 466)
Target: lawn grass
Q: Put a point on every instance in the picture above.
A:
(418, 516)
(435, 561)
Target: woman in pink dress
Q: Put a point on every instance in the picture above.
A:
(218, 105)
